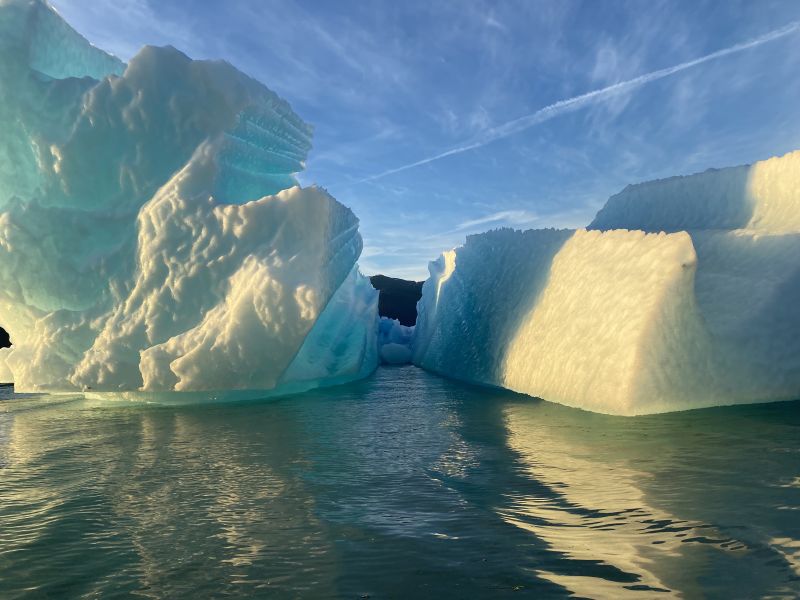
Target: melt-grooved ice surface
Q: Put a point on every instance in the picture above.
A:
(683, 294)
(152, 234)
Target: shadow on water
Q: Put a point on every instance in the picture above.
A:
(403, 485)
(699, 503)
(428, 501)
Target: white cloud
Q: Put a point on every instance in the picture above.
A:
(508, 217)
(576, 102)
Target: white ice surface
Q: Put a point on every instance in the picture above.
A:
(626, 322)
(761, 197)
(152, 236)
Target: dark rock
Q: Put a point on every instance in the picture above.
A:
(398, 298)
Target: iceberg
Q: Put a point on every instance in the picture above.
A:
(394, 342)
(153, 237)
(681, 294)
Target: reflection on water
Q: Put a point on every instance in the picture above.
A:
(681, 503)
(403, 485)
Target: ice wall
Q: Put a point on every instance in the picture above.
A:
(762, 197)
(683, 294)
(152, 234)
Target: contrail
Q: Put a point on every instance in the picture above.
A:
(576, 102)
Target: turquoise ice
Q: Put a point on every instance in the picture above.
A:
(152, 234)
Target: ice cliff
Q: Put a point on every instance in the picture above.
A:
(152, 235)
(682, 293)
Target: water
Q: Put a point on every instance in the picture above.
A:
(402, 486)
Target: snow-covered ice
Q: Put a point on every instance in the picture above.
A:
(152, 234)
(682, 294)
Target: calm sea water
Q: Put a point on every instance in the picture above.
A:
(401, 486)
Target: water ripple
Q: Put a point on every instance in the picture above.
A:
(405, 485)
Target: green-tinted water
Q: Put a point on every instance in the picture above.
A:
(404, 485)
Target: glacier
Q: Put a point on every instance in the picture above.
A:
(153, 237)
(682, 293)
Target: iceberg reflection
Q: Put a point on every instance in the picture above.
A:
(625, 513)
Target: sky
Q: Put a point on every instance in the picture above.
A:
(435, 120)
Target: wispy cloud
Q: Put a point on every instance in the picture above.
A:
(141, 25)
(510, 217)
(387, 83)
(576, 102)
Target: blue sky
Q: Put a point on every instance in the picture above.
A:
(388, 84)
